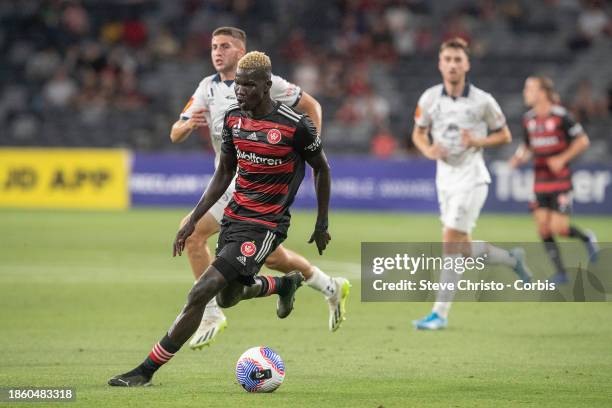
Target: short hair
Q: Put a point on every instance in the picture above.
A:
(232, 32)
(457, 43)
(548, 86)
(255, 60)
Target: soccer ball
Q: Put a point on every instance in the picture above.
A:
(260, 369)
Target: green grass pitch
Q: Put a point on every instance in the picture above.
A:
(84, 296)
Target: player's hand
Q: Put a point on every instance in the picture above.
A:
(515, 161)
(467, 140)
(436, 152)
(197, 119)
(181, 238)
(556, 163)
(321, 238)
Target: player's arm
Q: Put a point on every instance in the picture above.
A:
(310, 106)
(499, 137)
(322, 181)
(576, 147)
(308, 144)
(181, 129)
(420, 138)
(521, 156)
(224, 173)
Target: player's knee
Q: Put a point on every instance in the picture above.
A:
(557, 229)
(226, 300)
(544, 231)
(204, 290)
(277, 259)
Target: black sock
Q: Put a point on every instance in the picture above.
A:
(161, 353)
(553, 253)
(575, 232)
(270, 285)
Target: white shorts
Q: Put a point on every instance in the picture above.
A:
(459, 210)
(218, 208)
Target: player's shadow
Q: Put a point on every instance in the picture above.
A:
(585, 284)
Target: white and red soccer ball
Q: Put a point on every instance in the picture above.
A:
(260, 369)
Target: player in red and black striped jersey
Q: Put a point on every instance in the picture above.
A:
(554, 139)
(270, 151)
(269, 143)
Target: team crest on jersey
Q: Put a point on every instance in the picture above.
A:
(550, 125)
(248, 248)
(274, 136)
(532, 125)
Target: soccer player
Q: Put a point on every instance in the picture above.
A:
(206, 108)
(553, 136)
(269, 143)
(462, 120)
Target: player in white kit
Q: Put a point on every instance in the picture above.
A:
(207, 107)
(462, 120)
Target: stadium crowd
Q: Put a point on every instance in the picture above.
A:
(116, 73)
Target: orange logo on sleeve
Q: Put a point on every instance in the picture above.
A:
(188, 105)
(417, 112)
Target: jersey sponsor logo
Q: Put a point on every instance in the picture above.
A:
(252, 136)
(544, 141)
(417, 113)
(241, 259)
(550, 125)
(274, 136)
(188, 105)
(248, 248)
(254, 158)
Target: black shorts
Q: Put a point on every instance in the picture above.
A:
(242, 249)
(560, 201)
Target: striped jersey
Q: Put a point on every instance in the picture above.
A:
(548, 136)
(445, 116)
(271, 152)
(215, 96)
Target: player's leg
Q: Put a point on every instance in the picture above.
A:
(513, 258)
(213, 320)
(246, 247)
(455, 240)
(263, 286)
(196, 245)
(561, 225)
(181, 330)
(459, 213)
(542, 216)
(335, 290)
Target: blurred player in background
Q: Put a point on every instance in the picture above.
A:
(462, 120)
(554, 138)
(206, 108)
(269, 143)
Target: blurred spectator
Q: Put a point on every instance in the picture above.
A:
(43, 64)
(586, 104)
(60, 91)
(307, 75)
(75, 19)
(367, 61)
(383, 144)
(593, 21)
